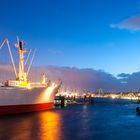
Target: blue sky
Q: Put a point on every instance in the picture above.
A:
(98, 34)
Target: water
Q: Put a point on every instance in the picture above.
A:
(105, 120)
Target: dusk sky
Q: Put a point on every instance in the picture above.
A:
(98, 34)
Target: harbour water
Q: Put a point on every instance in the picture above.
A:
(107, 119)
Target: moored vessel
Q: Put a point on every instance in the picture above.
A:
(21, 95)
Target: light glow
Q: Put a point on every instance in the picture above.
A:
(113, 96)
(48, 92)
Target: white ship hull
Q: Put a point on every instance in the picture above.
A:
(19, 100)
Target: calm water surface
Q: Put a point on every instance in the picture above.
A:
(104, 120)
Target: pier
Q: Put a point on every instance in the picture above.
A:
(63, 100)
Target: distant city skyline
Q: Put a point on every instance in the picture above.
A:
(97, 34)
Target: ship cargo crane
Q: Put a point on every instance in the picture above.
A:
(21, 75)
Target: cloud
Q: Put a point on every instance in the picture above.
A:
(73, 78)
(80, 79)
(89, 79)
(84, 79)
(123, 75)
(132, 81)
(6, 71)
(132, 23)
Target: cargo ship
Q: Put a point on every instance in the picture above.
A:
(21, 95)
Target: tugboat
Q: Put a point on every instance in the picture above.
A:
(21, 95)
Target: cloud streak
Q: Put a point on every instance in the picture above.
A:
(131, 23)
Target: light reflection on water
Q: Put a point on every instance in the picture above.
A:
(104, 120)
(36, 126)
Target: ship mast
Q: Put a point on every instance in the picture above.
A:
(22, 76)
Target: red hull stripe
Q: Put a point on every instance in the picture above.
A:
(14, 109)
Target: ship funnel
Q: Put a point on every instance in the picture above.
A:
(21, 45)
